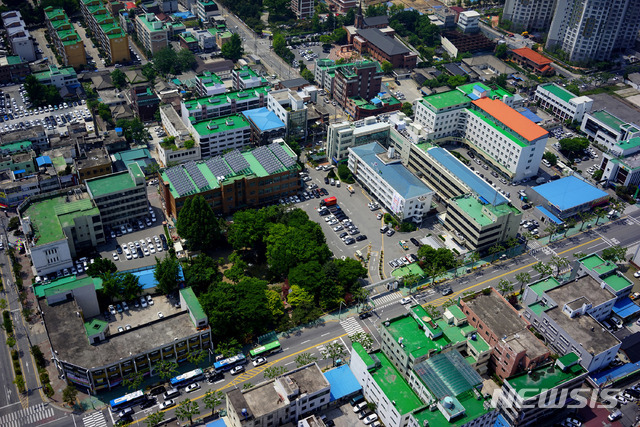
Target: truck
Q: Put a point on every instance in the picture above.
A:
(329, 201)
(350, 189)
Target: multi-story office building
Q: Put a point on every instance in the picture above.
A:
(469, 21)
(442, 114)
(342, 6)
(68, 43)
(121, 197)
(562, 103)
(514, 347)
(209, 84)
(344, 135)
(22, 44)
(622, 164)
(235, 180)
(219, 135)
(281, 401)
(245, 78)
(266, 127)
(302, 8)
(591, 30)
(13, 68)
(179, 152)
(382, 174)
(529, 16)
(291, 110)
(206, 9)
(92, 164)
(152, 32)
(223, 104)
(606, 129)
(361, 79)
(106, 29)
(58, 77)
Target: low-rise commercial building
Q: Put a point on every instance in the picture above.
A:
(152, 32)
(245, 78)
(606, 129)
(382, 174)
(58, 77)
(291, 110)
(106, 29)
(92, 164)
(345, 135)
(121, 197)
(68, 43)
(514, 347)
(235, 180)
(13, 69)
(382, 46)
(224, 104)
(532, 60)
(383, 103)
(567, 197)
(265, 126)
(221, 134)
(622, 164)
(284, 400)
(145, 102)
(562, 103)
(21, 41)
(173, 126)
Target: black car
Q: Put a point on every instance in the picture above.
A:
(361, 237)
(343, 234)
(118, 249)
(148, 403)
(326, 180)
(365, 315)
(157, 390)
(215, 376)
(415, 241)
(470, 154)
(526, 206)
(140, 254)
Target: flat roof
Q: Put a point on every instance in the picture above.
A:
(625, 308)
(264, 119)
(193, 303)
(225, 98)
(343, 382)
(49, 215)
(543, 379)
(69, 338)
(585, 286)
(584, 330)
(625, 145)
(569, 192)
(466, 175)
(108, 184)
(447, 374)
(64, 284)
(446, 99)
(559, 92)
(594, 263)
(544, 285)
(609, 119)
(496, 313)
(498, 92)
(406, 184)
(473, 408)
(618, 282)
(479, 210)
(221, 124)
(510, 118)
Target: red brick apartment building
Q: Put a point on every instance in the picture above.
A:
(362, 79)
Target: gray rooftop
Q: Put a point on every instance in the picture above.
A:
(68, 336)
(584, 330)
(294, 82)
(496, 313)
(388, 45)
(374, 21)
(584, 287)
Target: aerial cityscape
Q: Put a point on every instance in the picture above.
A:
(261, 213)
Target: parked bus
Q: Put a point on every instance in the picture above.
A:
(127, 400)
(272, 347)
(187, 378)
(228, 364)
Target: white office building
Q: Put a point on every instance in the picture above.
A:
(443, 114)
(606, 129)
(344, 135)
(22, 44)
(562, 103)
(383, 174)
(468, 21)
(291, 110)
(219, 135)
(622, 164)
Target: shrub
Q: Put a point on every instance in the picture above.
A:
(11, 341)
(15, 355)
(407, 227)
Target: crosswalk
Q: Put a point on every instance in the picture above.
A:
(95, 420)
(27, 416)
(386, 300)
(351, 326)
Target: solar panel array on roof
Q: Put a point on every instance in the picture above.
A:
(180, 180)
(266, 158)
(282, 155)
(218, 167)
(196, 175)
(236, 160)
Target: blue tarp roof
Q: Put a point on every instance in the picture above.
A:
(624, 308)
(342, 381)
(601, 377)
(569, 192)
(501, 422)
(43, 160)
(530, 115)
(263, 118)
(145, 276)
(549, 215)
(473, 96)
(18, 172)
(406, 184)
(217, 423)
(466, 175)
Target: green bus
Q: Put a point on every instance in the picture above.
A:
(272, 347)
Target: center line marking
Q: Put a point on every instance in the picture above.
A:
(304, 342)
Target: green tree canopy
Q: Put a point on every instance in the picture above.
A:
(289, 246)
(551, 158)
(407, 109)
(574, 146)
(167, 274)
(198, 224)
(501, 51)
(134, 130)
(201, 272)
(118, 78)
(387, 67)
(233, 48)
(41, 94)
(100, 267)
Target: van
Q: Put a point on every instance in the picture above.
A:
(356, 399)
(171, 393)
(615, 415)
(384, 229)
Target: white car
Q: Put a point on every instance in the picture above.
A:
(237, 370)
(359, 407)
(115, 256)
(167, 404)
(637, 274)
(112, 310)
(259, 361)
(192, 387)
(149, 300)
(371, 418)
(405, 300)
(143, 302)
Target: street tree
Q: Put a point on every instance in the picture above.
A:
(585, 217)
(505, 286)
(212, 399)
(568, 224)
(229, 347)
(599, 212)
(495, 250)
(542, 268)
(523, 278)
(334, 350)
(69, 395)
(579, 255)
(187, 409)
(274, 371)
(559, 263)
(154, 419)
(165, 369)
(133, 380)
(196, 356)
(433, 312)
(198, 224)
(365, 340)
(303, 359)
(615, 253)
(233, 48)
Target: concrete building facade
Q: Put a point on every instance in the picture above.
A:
(68, 43)
(107, 30)
(152, 32)
(345, 135)
(562, 103)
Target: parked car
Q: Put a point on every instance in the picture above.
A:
(237, 370)
(259, 361)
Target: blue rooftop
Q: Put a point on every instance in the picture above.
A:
(263, 118)
(625, 308)
(406, 184)
(466, 175)
(570, 192)
(529, 115)
(549, 215)
(610, 375)
(43, 160)
(217, 423)
(145, 276)
(342, 381)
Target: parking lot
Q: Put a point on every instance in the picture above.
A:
(307, 53)
(140, 311)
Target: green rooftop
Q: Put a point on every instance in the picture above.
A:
(483, 214)
(49, 215)
(368, 105)
(17, 147)
(95, 327)
(538, 308)
(496, 93)
(559, 92)
(54, 70)
(443, 100)
(617, 282)
(225, 98)
(609, 120)
(542, 286)
(149, 24)
(473, 408)
(366, 357)
(596, 264)
(509, 135)
(629, 143)
(193, 304)
(65, 284)
(544, 378)
(188, 38)
(392, 384)
(221, 124)
(113, 183)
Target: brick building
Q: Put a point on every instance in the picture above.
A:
(361, 79)
(145, 102)
(532, 60)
